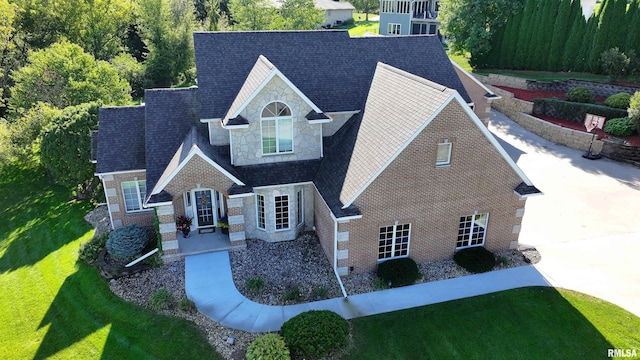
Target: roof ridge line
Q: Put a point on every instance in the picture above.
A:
(416, 78)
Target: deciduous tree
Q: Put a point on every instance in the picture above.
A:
(469, 24)
(64, 75)
(254, 15)
(366, 6)
(301, 15)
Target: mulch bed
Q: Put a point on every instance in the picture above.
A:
(529, 95)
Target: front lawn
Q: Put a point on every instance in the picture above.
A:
(526, 323)
(54, 307)
(359, 28)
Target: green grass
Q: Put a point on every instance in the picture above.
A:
(53, 306)
(362, 16)
(526, 323)
(462, 60)
(360, 27)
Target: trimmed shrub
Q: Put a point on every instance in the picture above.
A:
(269, 346)
(314, 334)
(579, 94)
(90, 250)
(398, 272)
(125, 244)
(255, 285)
(619, 100)
(160, 300)
(620, 126)
(475, 259)
(293, 294)
(634, 106)
(574, 111)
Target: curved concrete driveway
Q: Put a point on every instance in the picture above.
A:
(587, 225)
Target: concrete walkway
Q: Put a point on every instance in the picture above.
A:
(209, 284)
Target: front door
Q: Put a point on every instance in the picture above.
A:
(204, 215)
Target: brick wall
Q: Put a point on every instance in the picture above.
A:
(413, 190)
(115, 198)
(198, 171)
(324, 224)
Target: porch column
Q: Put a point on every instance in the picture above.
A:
(235, 214)
(166, 218)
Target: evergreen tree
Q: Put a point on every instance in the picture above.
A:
(610, 18)
(543, 38)
(559, 37)
(574, 37)
(582, 61)
(536, 26)
(632, 41)
(524, 36)
(510, 41)
(491, 59)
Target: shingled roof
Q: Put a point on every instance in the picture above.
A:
(120, 145)
(332, 69)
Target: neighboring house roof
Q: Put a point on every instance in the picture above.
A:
(334, 5)
(332, 69)
(120, 140)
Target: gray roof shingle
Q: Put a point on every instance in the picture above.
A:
(332, 69)
(120, 141)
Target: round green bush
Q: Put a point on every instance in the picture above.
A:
(475, 259)
(619, 100)
(269, 346)
(125, 244)
(580, 94)
(620, 126)
(398, 272)
(314, 334)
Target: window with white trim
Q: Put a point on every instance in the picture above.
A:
(260, 219)
(134, 193)
(443, 156)
(277, 128)
(472, 230)
(393, 29)
(282, 212)
(387, 6)
(394, 241)
(300, 201)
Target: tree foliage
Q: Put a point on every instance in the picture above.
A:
(64, 75)
(254, 15)
(469, 24)
(366, 6)
(7, 32)
(301, 15)
(66, 147)
(24, 134)
(167, 27)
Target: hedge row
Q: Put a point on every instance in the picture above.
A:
(574, 111)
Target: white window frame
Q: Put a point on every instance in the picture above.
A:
(300, 201)
(388, 6)
(139, 195)
(276, 211)
(394, 29)
(470, 234)
(260, 209)
(446, 162)
(277, 120)
(394, 241)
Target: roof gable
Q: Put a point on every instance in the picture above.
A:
(259, 77)
(399, 107)
(333, 70)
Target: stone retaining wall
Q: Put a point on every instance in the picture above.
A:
(502, 80)
(509, 105)
(621, 152)
(568, 137)
(597, 89)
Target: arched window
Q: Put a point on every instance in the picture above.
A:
(277, 128)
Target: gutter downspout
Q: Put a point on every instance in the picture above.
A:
(335, 256)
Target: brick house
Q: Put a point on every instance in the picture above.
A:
(296, 131)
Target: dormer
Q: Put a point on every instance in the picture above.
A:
(271, 120)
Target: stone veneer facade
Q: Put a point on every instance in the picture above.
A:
(246, 143)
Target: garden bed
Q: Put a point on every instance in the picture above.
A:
(529, 95)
